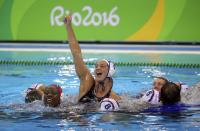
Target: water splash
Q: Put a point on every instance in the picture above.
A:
(69, 104)
(192, 95)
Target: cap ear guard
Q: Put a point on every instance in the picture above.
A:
(152, 97)
(109, 104)
(184, 88)
(111, 68)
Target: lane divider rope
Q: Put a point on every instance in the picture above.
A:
(34, 63)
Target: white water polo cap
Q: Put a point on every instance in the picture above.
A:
(184, 88)
(111, 68)
(109, 104)
(152, 97)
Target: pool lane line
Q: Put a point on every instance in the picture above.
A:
(54, 63)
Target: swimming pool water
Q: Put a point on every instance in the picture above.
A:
(130, 81)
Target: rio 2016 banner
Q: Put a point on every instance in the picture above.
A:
(103, 20)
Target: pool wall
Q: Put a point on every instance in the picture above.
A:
(158, 55)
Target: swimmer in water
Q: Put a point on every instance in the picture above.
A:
(164, 92)
(91, 89)
(153, 96)
(50, 95)
(170, 93)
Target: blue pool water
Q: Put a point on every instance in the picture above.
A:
(128, 81)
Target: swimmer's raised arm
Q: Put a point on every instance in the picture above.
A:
(86, 78)
(80, 66)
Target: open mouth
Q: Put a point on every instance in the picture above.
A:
(99, 74)
(49, 100)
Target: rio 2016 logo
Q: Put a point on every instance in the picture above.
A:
(91, 19)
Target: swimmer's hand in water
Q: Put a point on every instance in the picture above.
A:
(68, 20)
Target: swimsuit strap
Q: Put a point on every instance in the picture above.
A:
(106, 95)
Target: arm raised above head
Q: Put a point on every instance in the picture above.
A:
(81, 68)
(86, 78)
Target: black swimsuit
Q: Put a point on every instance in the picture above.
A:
(91, 96)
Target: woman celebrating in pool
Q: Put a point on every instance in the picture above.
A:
(91, 89)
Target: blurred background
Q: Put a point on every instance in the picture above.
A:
(101, 20)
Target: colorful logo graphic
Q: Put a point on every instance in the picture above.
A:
(130, 20)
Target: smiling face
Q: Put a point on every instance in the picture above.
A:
(101, 70)
(51, 96)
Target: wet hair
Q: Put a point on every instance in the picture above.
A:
(32, 96)
(163, 78)
(170, 93)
